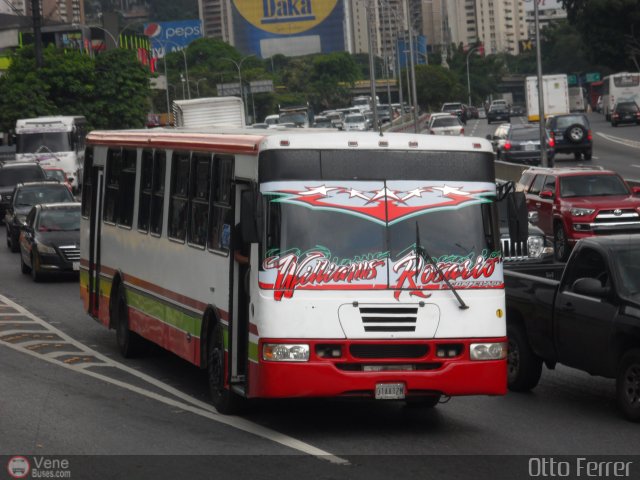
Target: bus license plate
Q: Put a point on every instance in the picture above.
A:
(389, 391)
(76, 266)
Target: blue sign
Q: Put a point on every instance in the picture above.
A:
(172, 36)
(419, 51)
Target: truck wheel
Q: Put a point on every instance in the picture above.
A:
(130, 343)
(628, 385)
(225, 401)
(523, 366)
(588, 154)
(560, 243)
(576, 156)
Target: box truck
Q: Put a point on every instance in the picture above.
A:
(555, 93)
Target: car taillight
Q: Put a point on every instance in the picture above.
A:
(462, 131)
(615, 115)
(589, 135)
(552, 142)
(507, 146)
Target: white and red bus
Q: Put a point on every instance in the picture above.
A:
(375, 263)
(619, 87)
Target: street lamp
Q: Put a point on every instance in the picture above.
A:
(184, 56)
(468, 77)
(182, 80)
(82, 27)
(239, 67)
(198, 86)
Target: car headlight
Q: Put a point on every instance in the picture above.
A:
(581, 212)
(282, 352)
(488, 351)
(535, 246)
(42, 248)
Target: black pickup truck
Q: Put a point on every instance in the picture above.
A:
(585, 314)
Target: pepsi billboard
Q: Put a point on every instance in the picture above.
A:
(172, 36)
(288, 27)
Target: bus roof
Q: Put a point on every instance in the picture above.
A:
(249, 141)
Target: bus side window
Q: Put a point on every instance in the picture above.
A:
(127, 187)
(157, 198)
(87, 186)
(199, 198)
(146, 186)
(112, 185)
(222, 221)
(179, 195)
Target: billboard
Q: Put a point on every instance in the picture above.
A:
(172, 36)
(542, 5)
(288, 27)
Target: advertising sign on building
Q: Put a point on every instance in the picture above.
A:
(288, 27)
(167, 37)
(542, 5)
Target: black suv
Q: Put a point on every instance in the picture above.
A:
(13, 173)
(25, 196)
(625, 112)
(498, 113)
(571, 134)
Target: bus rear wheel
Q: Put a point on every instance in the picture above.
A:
(130, 343)
(225, 401)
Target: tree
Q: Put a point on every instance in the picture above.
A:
(609, 30)
(122, 90)
(436, 85)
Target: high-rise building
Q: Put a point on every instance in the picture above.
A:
(13, 7)
(462, 22)
(501, 25)
(216, 19)
(62, 11)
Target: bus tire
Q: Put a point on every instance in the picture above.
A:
(225, 401)
(523, 366)
(130, 343)
(628, 385)
(423, 402)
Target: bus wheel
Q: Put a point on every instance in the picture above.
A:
(129, 343)
(225, 401)
(423, 402)
(523, 366)
(628, 385)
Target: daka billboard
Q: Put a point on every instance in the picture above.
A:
(289, 27)
(172, 36)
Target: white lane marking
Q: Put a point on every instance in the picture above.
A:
(189, 403)
(637, 166)
(621, 141)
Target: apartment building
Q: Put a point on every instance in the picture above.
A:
(58, 11)
(216, 19)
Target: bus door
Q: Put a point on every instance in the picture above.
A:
(240, 295)
(95, 227)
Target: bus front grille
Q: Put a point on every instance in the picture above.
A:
(401, 350)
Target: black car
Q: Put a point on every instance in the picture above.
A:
(625, 112)
(13, 173)
(571, 133)
(25, 196)
(522, 145)
(498, 113)
(517, 111)
(50, 240)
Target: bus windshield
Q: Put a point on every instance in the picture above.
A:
(43, 142)
(366, 234)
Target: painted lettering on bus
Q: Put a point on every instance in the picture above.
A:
(416, 273)
(287, 11)
(316, 268)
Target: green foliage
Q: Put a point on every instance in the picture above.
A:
(110, 90)
(609, 29)
(436, 85)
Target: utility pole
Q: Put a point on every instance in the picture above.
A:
(543, 132)
(37, 34)
(372, 68)
(414, 93)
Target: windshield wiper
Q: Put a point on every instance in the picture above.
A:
(422, 252)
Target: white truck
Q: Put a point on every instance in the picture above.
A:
(56, 142)
(576, 99)
(555, 90)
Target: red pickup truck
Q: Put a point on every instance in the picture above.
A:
(571, 203)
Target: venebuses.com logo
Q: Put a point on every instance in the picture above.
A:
(38, 467)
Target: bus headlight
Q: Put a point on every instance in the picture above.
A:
(488, 351)
(284, 352)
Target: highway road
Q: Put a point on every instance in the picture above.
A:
(79, 399)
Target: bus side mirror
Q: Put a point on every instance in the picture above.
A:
(250, 216)
(518, 216)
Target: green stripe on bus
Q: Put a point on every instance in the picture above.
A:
(164, 312)
(253, 351)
